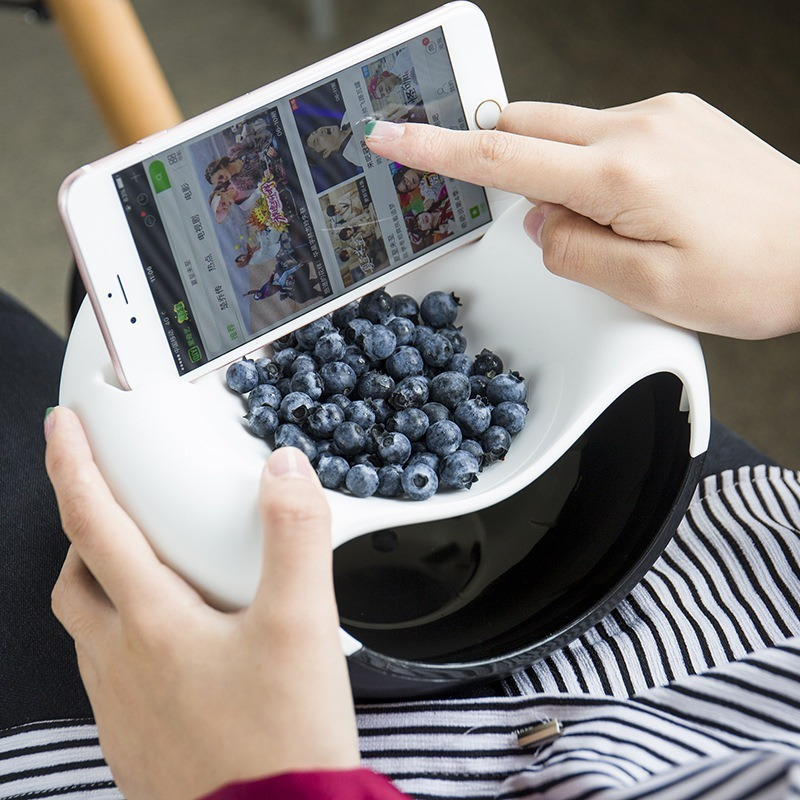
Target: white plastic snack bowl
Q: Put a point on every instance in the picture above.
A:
(180, 460)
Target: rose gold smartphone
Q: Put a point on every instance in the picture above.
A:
(204, 242)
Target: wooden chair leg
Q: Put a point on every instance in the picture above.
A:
(118, 65)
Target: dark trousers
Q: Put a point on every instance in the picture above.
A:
(38, 674)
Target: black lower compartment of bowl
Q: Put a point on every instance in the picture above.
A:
(446, 603)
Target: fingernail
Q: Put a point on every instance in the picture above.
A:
(379, 130)
(289, 462)
(49, 422)
(534, 220)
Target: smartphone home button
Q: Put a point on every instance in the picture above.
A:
(487, 114)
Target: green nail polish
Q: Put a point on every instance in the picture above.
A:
(380, 130)
(49, 421)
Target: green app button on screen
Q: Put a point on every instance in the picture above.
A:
(158, 177)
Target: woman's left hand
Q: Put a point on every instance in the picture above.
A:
(188, 698)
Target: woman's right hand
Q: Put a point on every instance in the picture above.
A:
(667, 204)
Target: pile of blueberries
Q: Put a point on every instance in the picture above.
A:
(382, 397)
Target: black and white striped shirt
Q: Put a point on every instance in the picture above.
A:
(689, 689)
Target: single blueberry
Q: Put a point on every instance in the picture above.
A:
(378, 342)
(343, 315)
(263, 420)
(341, 400)
(269, 371)
(303, 363)
(360, 412)
(506, 387)
(284, 386)
(460, 362)
(242, 376)
(424, 456)
(459, 470)
(331, 470)
(405, 361)
(443, 437)
(356, 360)
(411, 392)
(405, 306)
(436, 350)
(349, 438)
(361, 480)
(394, 448)
(285, 342)
(487, 363)
(456, 338)
(310, 383)
(284, 358)
(403, 329)
(495, 441)
(419, 481)
(381, 408)
(449, 389)
(265, 394)
(375, 385)
(370, 459)
(295, 407)
(473, 416)
(324, 447)
(510, 416)
(322, 420)
(290, 435)
(439, 308)
(421, 334)
(390, 482)
(355, 329)
(338, 378)
(477, 385)
(329, 347)
(378, 428)
(377, 307)
(307, 335)
(435, 411)
(412, 422)
(474, 448)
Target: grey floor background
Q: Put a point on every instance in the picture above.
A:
(743, 57)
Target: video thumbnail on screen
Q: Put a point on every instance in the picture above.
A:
(263, 226)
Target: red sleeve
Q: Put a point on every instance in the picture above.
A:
(351, 784)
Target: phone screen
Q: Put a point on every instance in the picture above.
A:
(251, 224)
